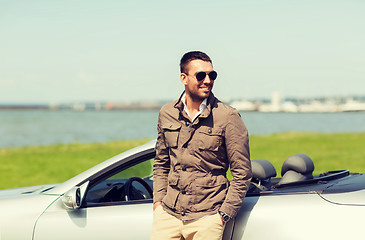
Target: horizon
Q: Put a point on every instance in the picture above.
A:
(265, 99)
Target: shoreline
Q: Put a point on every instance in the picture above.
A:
(293, 133)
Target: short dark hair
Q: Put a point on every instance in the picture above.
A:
(190, 56)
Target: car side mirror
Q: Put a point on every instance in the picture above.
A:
(73, 197)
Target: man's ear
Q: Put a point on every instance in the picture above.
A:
(184, 78)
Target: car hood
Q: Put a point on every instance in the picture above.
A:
(18, 192)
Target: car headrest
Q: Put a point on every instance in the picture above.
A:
(300, 163)
(262, 169)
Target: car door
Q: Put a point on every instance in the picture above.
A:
(126, 221)
(107, 212)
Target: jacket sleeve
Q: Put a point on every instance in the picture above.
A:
(238, 154)
(161, 166)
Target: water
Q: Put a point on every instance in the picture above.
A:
(41, 127)
(23, 128)
(267, 123)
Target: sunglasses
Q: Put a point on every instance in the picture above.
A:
(200, 76)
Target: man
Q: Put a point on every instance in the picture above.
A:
(199, 137)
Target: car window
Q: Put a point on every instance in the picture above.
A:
(143, 170)
(133, 184)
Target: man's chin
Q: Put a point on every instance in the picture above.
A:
(200, 97)
(205, 95)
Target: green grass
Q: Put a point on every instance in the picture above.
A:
(328, 151)
(52, 164)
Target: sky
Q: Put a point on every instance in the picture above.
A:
(55, 51)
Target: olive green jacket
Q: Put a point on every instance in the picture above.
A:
(192, 159)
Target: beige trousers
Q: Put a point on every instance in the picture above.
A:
(167, 227)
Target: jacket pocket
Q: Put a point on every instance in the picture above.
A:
(172, 192)
(210, 193)
(171, 133)
(210, 138)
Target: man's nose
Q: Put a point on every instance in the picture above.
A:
(207, 79)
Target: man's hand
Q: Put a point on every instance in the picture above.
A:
(156, 204)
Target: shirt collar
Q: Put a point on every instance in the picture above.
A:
(202, 107)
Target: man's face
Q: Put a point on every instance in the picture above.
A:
(197, 90)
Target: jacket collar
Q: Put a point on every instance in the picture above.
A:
(210, 103)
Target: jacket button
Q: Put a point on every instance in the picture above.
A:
(183, 191)
(183, 214)
(209, 131)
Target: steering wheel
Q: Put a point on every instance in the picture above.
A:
(129, 188)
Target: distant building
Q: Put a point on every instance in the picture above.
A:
(244, 105)
(352, 106)
(274, 105)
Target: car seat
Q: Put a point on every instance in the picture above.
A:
(298, 167)
(262, 172)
